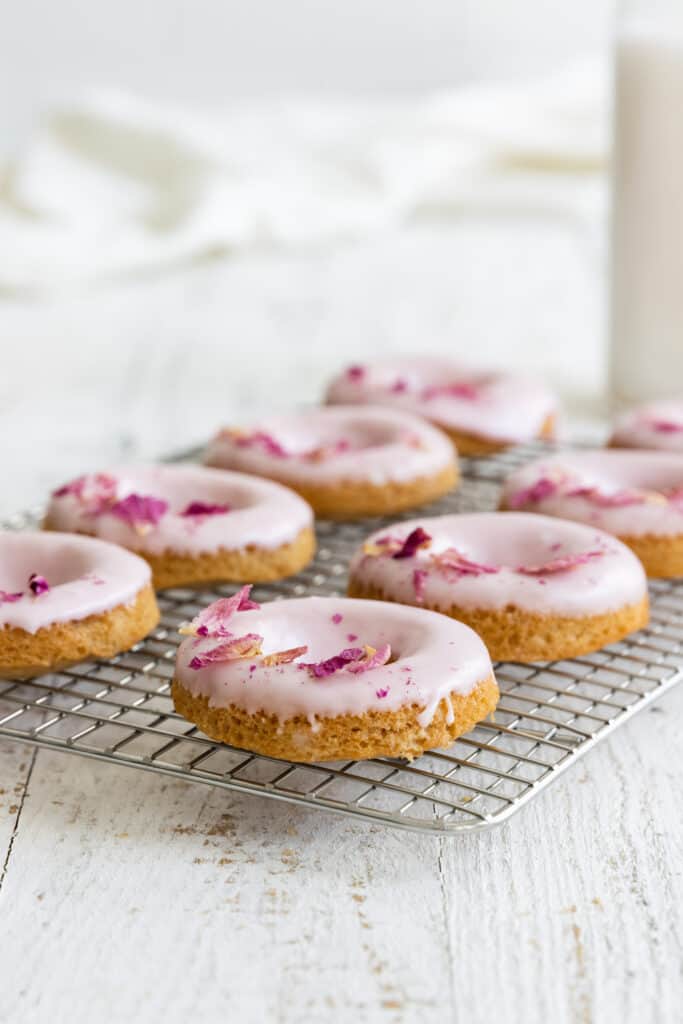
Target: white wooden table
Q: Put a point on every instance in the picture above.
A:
(128, 897)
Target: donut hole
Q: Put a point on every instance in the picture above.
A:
(354, 435)
(509, 540)
(324, 638)
(57, 566)
(178, 491)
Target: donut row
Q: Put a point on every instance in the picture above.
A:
(404, 662)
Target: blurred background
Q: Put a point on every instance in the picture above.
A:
(206, 209)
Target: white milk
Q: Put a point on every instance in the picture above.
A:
(647, 233)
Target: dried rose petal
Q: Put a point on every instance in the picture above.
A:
(321, 669)
(538, 491)
(383, 692)
(373, 659)
(355, 373)
(38, 584)
(452, 560)
(247, 646)
(419, 580)
(200, 508)
(399, 387)
(99, 488)
(663, 426)
(415, 540)
(382, 546)
(260, 439)
(327, 451)
(7, 598)
(617, 499)
(458, 389)
(561, 564)
(139, 510)
(284, 657)
(337, 618)
(213, 621)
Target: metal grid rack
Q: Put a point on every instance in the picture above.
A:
(549, 715)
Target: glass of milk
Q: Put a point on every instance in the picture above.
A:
(646, 345)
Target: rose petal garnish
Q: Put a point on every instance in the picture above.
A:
(329, 666)
(617, 499)
(284, 657)
(141, 511)
(337, 618)
(458, 389)
(213, 621)
(7, 598)
(373, 659)
(663, 426)
(38, 584)
(561, 564)
(538, 491)
(452, 560)
(201, 508)
(383, 692)
(382, 546)
(260, 439)
(247, 646)
(91, 488)
(399, 387)
(327, 451)
(415, 540)
(355, 373)
(419, 580)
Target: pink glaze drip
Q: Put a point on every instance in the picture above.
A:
(328, 445)
(498, 406)
(262, 513)
(86, 577)
(586, 572)
(432, 656)
(627, 493)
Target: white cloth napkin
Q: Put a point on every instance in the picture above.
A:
(114, 185)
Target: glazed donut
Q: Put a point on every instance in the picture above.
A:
(534, 588)
(346, 462)
(655, 425)
(193, 525)
(635, 495)
(65, 599)
(481, 412)
(324, 679)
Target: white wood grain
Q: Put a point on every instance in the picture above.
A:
(127, 897)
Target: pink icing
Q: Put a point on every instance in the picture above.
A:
(323, 445)
(655, 425)
(627, 493)
(497, 406)
(496, 559)
(86, 577)
(442, 656)
(262, 513)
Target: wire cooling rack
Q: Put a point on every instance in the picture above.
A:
(549, 715)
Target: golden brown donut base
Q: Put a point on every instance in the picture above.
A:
(251, 564)
(374, 734)
(662, 557)
(24, 654)
(513, 634)
(473, 444)
(354, 499)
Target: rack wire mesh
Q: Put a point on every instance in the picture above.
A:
(549, 716)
